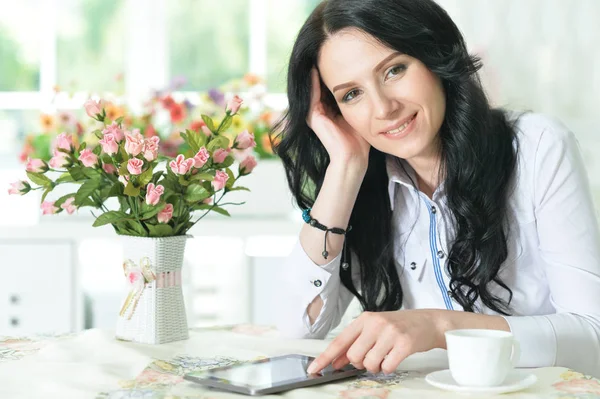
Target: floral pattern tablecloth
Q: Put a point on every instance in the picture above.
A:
(93, 364)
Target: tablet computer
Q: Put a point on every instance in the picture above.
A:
(269, 375)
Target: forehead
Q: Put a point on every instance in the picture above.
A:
(349, 54)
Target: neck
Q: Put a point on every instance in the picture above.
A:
(427, 168)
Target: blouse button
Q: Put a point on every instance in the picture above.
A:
(440, 254)
(433, 210)
(317, 283)
(413, 266)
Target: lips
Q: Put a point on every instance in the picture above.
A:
(399, 124)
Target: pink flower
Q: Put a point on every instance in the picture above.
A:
(124, 179)
(136, 279)
(220, 155)
(108, 168)
(59, 160)
(247, 165)
(166, 214)
(151, 148)
(208, 200)
(220, 180)
(48, 208)
(234, 104)
(201, 157)
(180, 166)
(116, 131)
(18, 188)
(244, 140)
(134, 166)
(109, 144)
(88, 158)
(134, 143)
(93, 108)
(36, 166)
(153, 194)
(68, 205)
(62, 142)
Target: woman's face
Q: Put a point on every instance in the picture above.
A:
(392, 100)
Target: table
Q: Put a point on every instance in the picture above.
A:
(93, 364)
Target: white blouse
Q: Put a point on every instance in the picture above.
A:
(553, 264)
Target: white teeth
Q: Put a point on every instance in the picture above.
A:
(401, 128)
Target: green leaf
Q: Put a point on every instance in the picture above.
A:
(39, 179)
(146, 177)
(82, 146)
(217, 142)
(226, 124)
(110, 217)
(45, 194)
(87, 202)
(116, 190)
(231, 178)
(156, 177)
(196, 193)
(124, 205)
(98, 133)
(201, 207)
(203, 176)
(149, 211)
(239, 188)
(137, 227)
(65, 178)
(92, 173)
(123, 170)
(220, 210)
(97, 150)
(227, 162)
(106, 159)
(209, 123)
(76, 173)
(119, 120)
(124, 154)
(131, 190)
(183, 181)
(86, 190)
(160, 230)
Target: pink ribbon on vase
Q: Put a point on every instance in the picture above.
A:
(168, 279)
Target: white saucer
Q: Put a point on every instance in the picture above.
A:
(516, 380)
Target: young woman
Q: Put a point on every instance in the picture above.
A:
(434, 209)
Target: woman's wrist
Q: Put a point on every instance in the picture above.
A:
(447, 320)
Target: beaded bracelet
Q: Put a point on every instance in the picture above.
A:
(315, 223)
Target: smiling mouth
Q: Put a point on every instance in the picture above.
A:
(401, 128)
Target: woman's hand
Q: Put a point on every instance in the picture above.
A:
(380, 341)
(342, 142)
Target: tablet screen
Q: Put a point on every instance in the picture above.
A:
(272, 372)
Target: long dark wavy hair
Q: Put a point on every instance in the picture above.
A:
(478, 152)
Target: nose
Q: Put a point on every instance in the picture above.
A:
(384, 106)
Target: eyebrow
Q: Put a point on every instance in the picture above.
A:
(378, 67)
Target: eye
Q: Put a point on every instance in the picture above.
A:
(350, 96)
(396, 70)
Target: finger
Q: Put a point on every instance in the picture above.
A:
(336, 348)
(359, 349)
(315, 95)
(340, 362)
(394, 358)
(375, 357)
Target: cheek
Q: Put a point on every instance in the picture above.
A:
(358, 118)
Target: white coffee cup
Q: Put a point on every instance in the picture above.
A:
(481, 358)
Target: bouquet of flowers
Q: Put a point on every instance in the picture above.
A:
(157, 196)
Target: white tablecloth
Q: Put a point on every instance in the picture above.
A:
(93, 364)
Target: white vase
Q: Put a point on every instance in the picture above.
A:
(153, 311)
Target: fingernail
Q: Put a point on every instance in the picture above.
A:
(312, 368)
